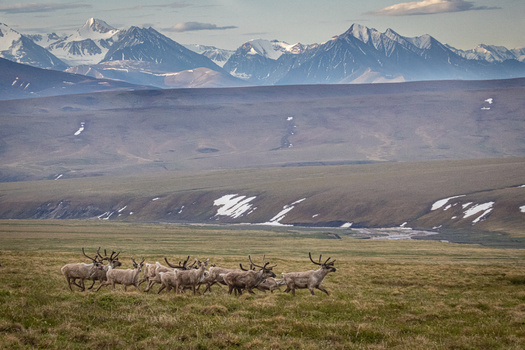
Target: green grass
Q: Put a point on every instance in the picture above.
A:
(385, 294)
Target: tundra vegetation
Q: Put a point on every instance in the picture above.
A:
(384, 295)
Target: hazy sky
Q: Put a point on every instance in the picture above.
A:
(229, 23)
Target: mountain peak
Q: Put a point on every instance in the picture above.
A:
(96, 25)
(359, 31)
(7, 37)
(392, 33)
(96, 29)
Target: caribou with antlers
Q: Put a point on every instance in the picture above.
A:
(81, 271)
(190, 278)
(169, 278)
(100, 274)
(249, 279)
(309, 279)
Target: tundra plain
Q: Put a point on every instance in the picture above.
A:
(384, 294)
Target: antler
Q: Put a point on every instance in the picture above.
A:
(242, 268)
(102, 258)
(249, 257)
(185, 262)
(312, 260)
(265, 264)
(183, 266)
(94, 260)
(113, 257)
(192, 265)
(329, 263)
(326, 263)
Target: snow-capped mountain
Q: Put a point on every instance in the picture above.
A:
(148, 45)
(362, 55)
(88, 45)
(138, 56)
(258, 61)
(359, 55)
(491, 53)
(21, 49)
(218, 56)
(45, 40)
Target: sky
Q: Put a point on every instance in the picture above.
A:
(228, 24)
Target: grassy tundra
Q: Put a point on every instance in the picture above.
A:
(384, 295)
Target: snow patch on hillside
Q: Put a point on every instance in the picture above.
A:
(486, 208)
(79, 131)
(440, 203)
(286, 209)
(480, 211)
(234, 206)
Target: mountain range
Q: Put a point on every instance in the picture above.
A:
(145, 56)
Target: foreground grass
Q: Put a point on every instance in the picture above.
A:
(385, 295)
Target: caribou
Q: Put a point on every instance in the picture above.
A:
(152, 272)
(270, 284)
(248, 279)
(168, 278)
(215, 275)
(190, 278)
(128, 277)
(309, 279)
(100, 274)
(81, 271)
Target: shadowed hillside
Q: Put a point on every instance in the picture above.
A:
(195, 129)
(488, 196)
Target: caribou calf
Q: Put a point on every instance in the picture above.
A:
(309, 279)
(270, 284)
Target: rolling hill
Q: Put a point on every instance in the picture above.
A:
(368, 155)
(21, 81)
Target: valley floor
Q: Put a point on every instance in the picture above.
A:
(385, 294)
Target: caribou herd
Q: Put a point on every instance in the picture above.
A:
(191, 276)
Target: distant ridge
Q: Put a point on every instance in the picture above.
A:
(359, 55)
(19, 81)
(365, 55)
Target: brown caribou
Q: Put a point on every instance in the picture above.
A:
(249, 279)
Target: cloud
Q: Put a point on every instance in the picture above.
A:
(429, 7)
(193, 26)
(174, 5)
(34, 7)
